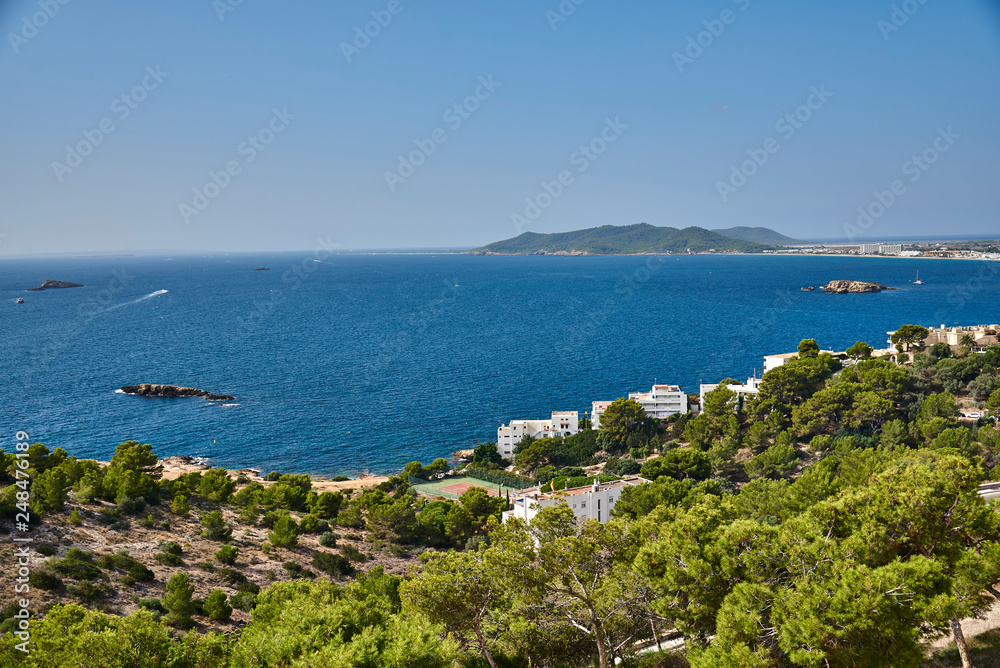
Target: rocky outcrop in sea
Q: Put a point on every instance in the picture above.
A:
(154, 390)
(843, 287)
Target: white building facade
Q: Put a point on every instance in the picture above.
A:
(593, 502)
(884, 249)
(660, 402)
(748, 389)
(562, 423)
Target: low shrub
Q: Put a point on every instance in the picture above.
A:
(231, 576)
(171, 547)
(295, 570)
(46, 550)
(353, 554)
(77, 569)
(89, 591)
(154, 605)
(168, 559)
(244, 601)
(334, 564)
(45, 580)
(138, 573)
(328, 539)
(226, 555)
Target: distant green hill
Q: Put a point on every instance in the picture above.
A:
(758, 235)
(625, 240)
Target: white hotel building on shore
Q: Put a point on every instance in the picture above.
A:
(660, 402)
(562, 423)
(594, 501)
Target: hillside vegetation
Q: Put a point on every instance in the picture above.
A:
(832, 520)
(625, 240)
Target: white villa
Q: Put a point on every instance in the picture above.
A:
(774, 361)
(597, 408)
(562, 423)
(660, 402)
(748, 389)
(983, 336)
(593, 501)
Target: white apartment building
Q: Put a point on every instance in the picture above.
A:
(593, 501)
(748, 389)
(884, 249)
(562, 423)
(660, 402)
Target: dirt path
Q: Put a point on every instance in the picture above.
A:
(973, 627)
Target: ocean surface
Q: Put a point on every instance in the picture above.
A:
(356, 363)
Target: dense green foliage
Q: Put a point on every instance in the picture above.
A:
(833, 520)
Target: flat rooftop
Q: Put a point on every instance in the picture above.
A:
(631, 481)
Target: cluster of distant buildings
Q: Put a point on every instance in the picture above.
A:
(980, 337)
(883, 249)
(596, 500)
(660, 402)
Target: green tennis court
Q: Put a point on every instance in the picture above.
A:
(453, 487)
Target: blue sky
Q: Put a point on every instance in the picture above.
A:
(225, 70)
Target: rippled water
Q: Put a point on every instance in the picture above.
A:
(367, 362)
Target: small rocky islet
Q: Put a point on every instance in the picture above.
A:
(156, 390)
(51, 285)
(841, 287)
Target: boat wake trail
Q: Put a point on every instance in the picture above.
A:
(140, 299)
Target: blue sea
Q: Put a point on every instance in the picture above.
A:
(349, 363)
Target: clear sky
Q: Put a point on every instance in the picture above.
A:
(200, 78)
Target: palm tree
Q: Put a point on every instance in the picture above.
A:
(968, 341)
